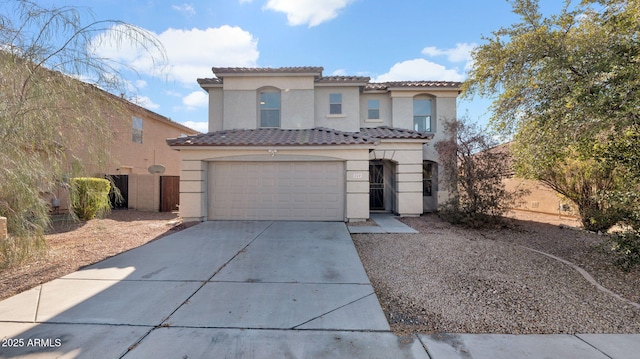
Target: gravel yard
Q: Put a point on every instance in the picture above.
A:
(72, 245)
(455, 280)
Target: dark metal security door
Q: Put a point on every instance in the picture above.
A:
(376, 186)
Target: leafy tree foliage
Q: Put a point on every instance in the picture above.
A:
(46, 113)
(475, 175)
(567, 87)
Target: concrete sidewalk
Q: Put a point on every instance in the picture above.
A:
(386, 223)
(245, 290)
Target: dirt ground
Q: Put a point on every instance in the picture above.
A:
(72, 245)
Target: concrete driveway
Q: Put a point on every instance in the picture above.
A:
(225, 289)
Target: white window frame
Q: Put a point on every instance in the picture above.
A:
(335, 104)
(262, 108)
(375, 107)
(422, 121)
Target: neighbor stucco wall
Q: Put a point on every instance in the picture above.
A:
(540, 198)
(133, 159)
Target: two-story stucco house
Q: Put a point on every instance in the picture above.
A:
(292, 144)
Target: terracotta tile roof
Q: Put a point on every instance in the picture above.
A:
(387, 85)
(273, 137)
(210, 81)
(343, 79)
(258, 70)
(384, 132)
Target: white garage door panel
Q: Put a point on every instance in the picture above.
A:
(276, 190)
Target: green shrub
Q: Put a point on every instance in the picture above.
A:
(627, 246)
(90, 197)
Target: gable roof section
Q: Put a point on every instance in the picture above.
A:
(274, 137)
(298, 137)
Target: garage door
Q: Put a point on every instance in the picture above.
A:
(277, 190)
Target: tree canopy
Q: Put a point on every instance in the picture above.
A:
(568, 92)
(46, 112)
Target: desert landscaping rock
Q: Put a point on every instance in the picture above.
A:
(455, 280)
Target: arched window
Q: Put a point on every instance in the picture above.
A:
(269, 105)
(422, 114)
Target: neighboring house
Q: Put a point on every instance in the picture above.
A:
(138, 143)
(291, 144)
(538, 197)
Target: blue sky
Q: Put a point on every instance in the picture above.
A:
(386, 40)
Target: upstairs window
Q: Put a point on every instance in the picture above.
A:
(335, 103)
(136, 130)
(422, 114)
(373, 109)
(270, 109)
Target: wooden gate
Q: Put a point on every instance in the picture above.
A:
(169, 193)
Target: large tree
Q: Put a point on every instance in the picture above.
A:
(567, 88)
(46, 111)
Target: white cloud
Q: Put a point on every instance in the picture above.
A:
(339, 72)
(198, 126)
(310, 12)
(196, 99)
(145, 102)
(460, 53)
(186, 9)
(172, 93)
(419, 69)
(191, 53)
(141, 83)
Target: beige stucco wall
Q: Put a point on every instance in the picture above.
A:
(385, 110)
(194, 165)
(216, 109)
(349, 120)
(297, 109)
(236, 104)
(241, 109)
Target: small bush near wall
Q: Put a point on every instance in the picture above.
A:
(90, 197)
(627, 246)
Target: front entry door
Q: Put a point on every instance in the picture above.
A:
(376, 186)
